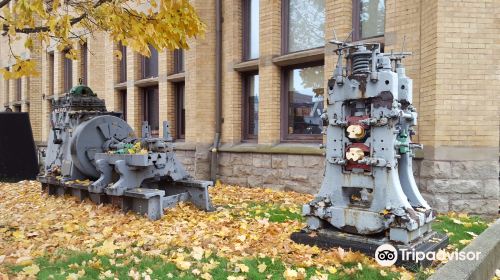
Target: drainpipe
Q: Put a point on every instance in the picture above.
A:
(218, 90)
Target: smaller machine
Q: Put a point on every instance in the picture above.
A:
(93, 153)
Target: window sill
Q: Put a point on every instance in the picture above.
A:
(282, 148)
(147, 82)
(177, 77)
(246, 66)
(183, 146)
(300, 57)
(120, 86)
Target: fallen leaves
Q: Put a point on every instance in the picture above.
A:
(33, 224)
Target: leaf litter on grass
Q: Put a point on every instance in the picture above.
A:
(250, 223)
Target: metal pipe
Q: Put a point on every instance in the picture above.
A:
(218, 90)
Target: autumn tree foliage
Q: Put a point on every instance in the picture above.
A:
(65, 23)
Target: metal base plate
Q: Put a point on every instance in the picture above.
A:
(330, 238)
(144, 201)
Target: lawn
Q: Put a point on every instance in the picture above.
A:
(246, 238)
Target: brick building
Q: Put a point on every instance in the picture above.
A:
(274, 64)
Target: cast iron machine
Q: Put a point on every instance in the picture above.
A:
(369, 196)
(93, 153)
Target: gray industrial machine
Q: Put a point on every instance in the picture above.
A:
(93, 153)
(369, 196)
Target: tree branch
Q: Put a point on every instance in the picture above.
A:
(38, 29)
(4, 3)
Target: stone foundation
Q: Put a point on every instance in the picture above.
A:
(461, 186)
(301, 173)
(470, 186)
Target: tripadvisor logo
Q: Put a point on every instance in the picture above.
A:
(386, 255)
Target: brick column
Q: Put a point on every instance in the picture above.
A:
(134, 94)
(200, 89)
(96, 64)
(58, 73)
(269, 73)
(163, 90)
(111, 74)
(459, 105)
(232, 38)
(34, 93)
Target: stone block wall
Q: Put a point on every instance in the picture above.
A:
(301, 173)
(460, 186)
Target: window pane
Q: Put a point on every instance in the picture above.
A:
(151, 109)
(306, 24)
(253, 105)
(253, 30)
(123, 64)
(305, 100)
(181, 111)
(372, 18)
(178, 61)
(68, 74)
(150, 64)
(84, 64)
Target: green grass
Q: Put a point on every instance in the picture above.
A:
(458, 228)
(62, 264)
(277, 213)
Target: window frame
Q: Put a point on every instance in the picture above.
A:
(179, 61)
(51, 62)
(84, 65)
(246, 28)
(19, 89)
(356, 24)
(285, 27)
(123, 101)
(245, 113)
(285, 136)
(150, 62)
(146, 108)
(67, 73)
(122, 75)
(179, 119)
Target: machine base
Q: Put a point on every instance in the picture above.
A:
(329, 238)
(144, 201)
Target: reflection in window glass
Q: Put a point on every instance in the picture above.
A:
(372, 18)
(253, 29)
(305, 100)
(306, 24)
(252, 97)
(151, 109)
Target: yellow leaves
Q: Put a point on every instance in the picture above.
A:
(107, 248)
(262, 267)
(118, 54)
(182, 265)
(20, 68)
(18, 235)
(331, 269)
(465, 241)
(76, 276)
(290, 274)
(24, 261)
(70, 227)
(197, 253)
(242, 267)
(31, 270)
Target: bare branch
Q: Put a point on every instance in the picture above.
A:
(4, 3)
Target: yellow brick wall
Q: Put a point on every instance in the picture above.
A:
(269, 73)
(467, 80)
(231, 80)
